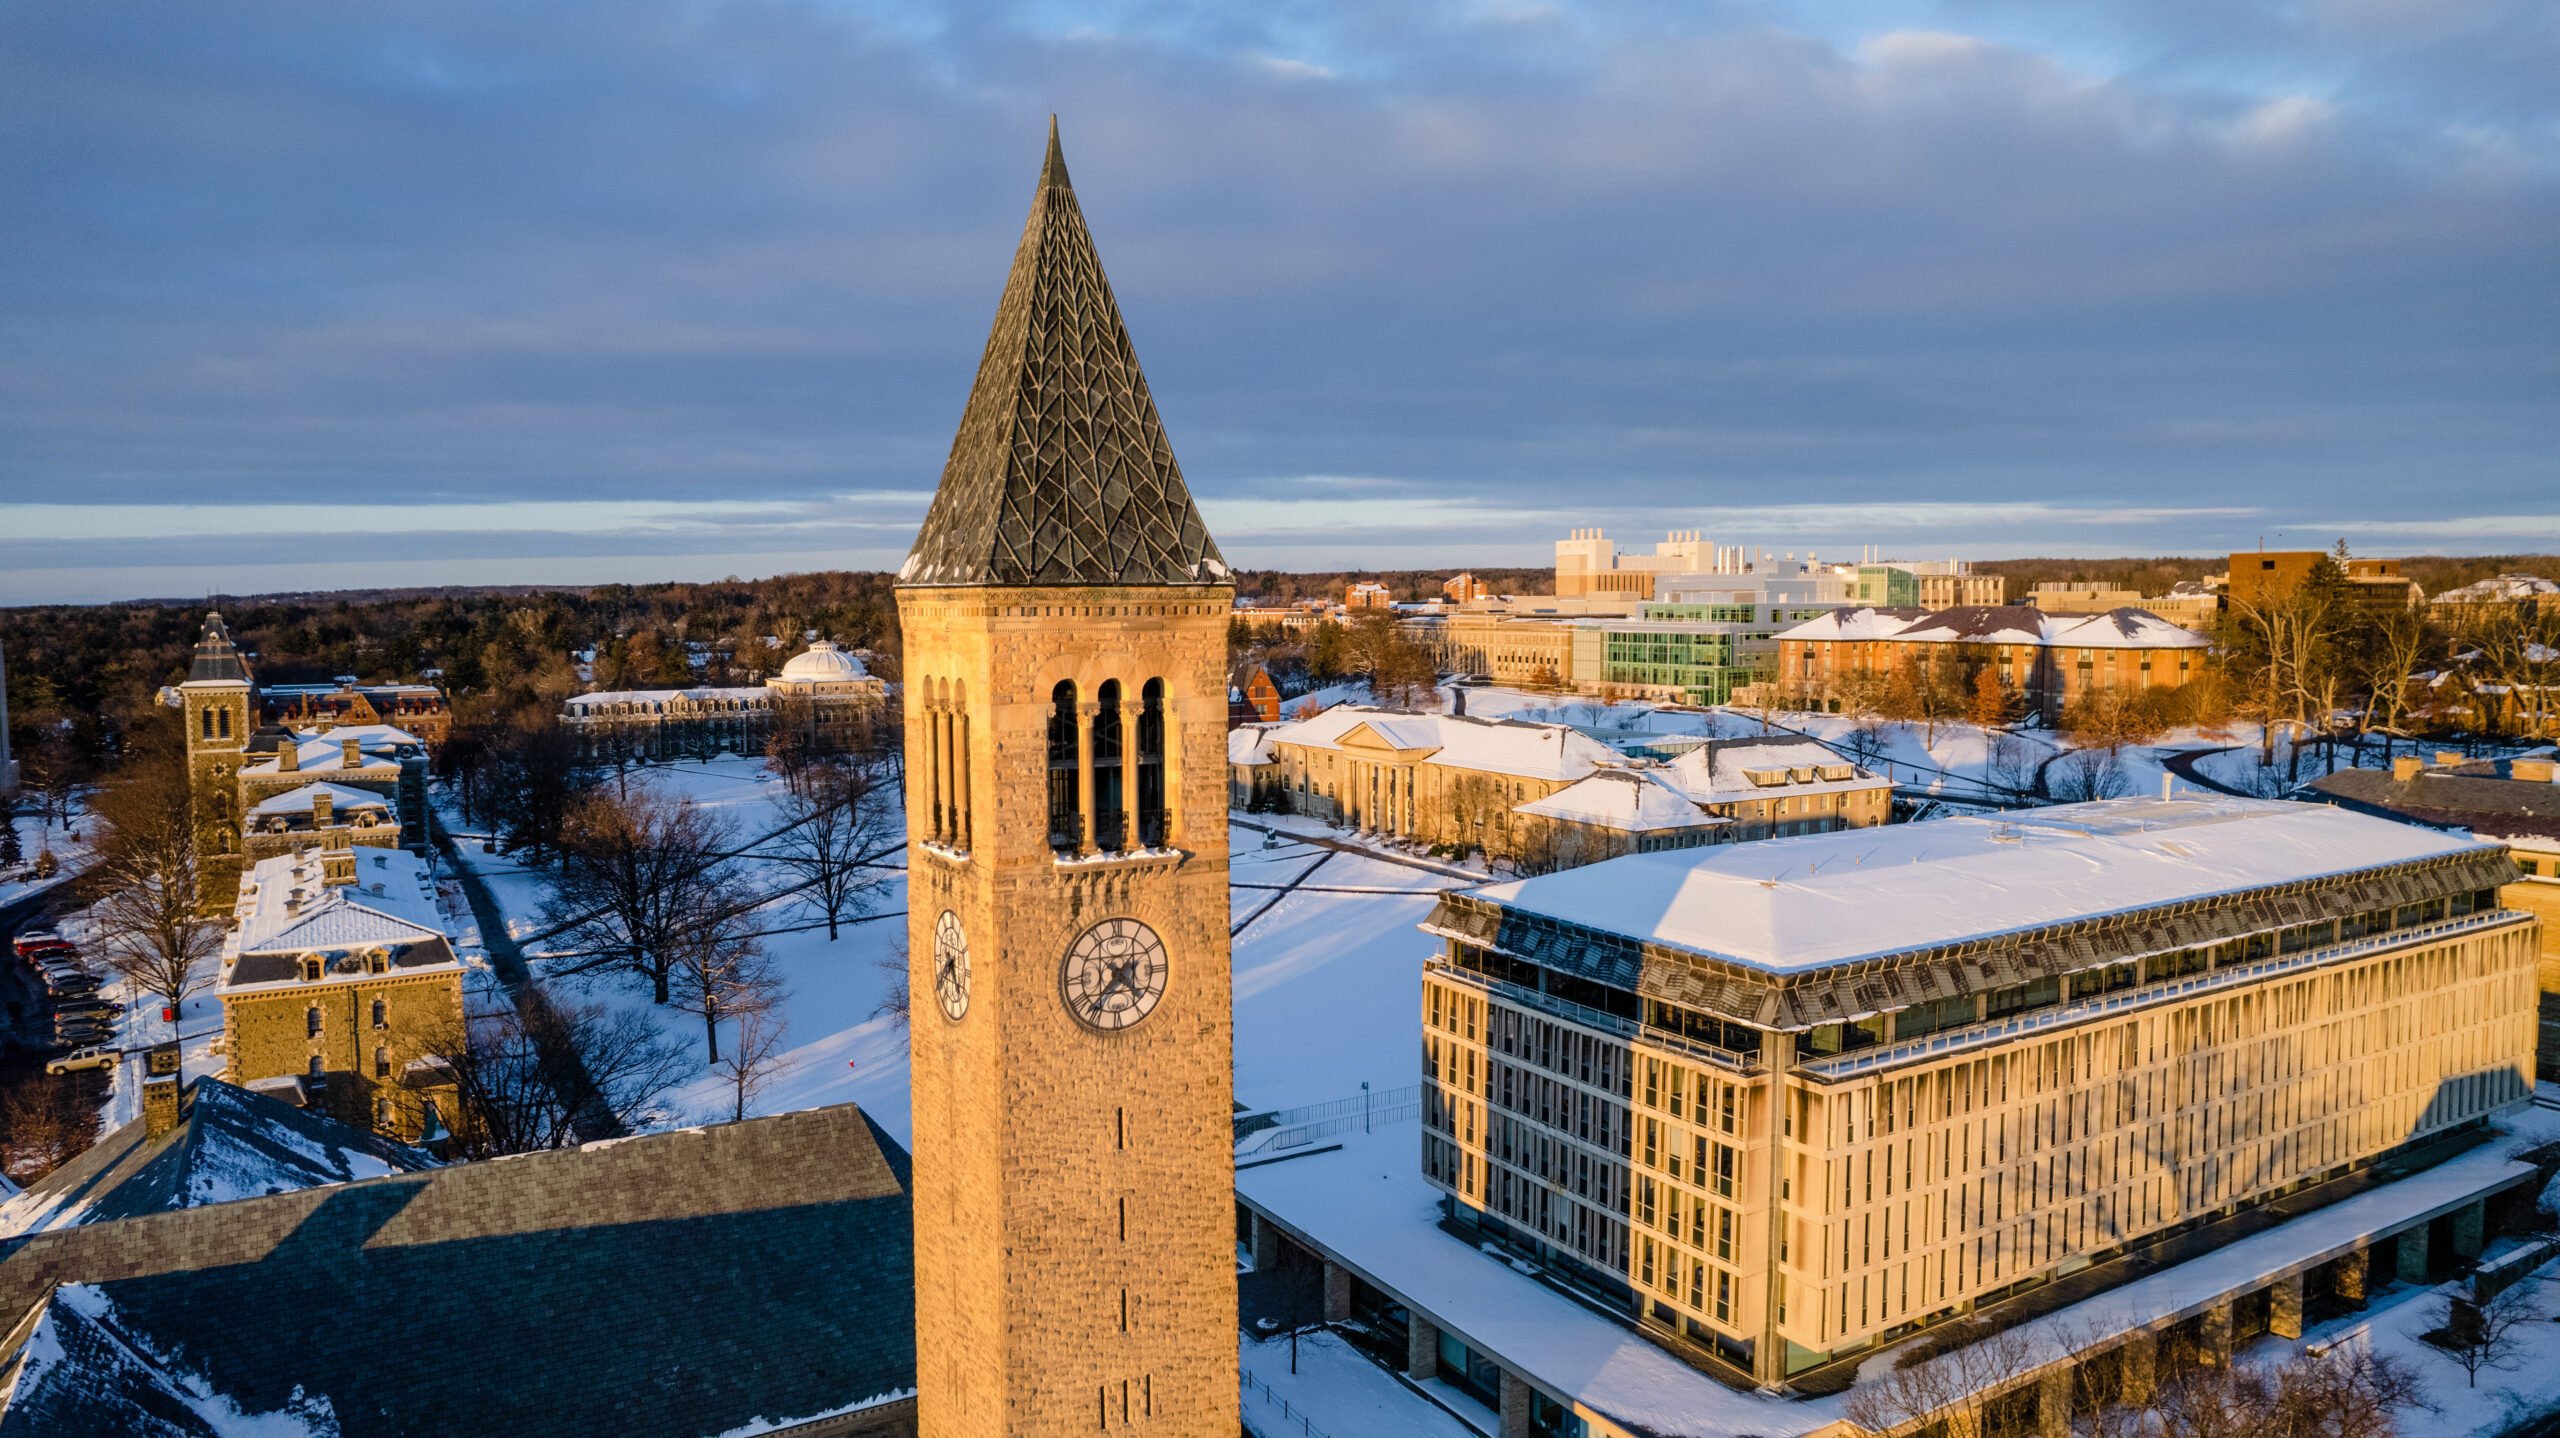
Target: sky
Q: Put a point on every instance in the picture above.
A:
(301, 295)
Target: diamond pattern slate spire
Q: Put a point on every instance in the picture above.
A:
(1061, 473)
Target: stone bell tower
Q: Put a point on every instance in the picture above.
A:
(1065, 616)
(217, 696)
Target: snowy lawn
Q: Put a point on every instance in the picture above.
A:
(1336, 1391)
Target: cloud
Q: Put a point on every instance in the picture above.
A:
(1520, 267)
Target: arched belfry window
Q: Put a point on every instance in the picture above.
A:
(1066, 827)
(208, 723)
(1151, 824)
(1109, 812)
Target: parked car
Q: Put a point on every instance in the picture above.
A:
(33, 939)
(88, 1058)
(88, 1008)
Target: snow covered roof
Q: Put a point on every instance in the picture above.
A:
(1724, 771)
(230, 1143)
(1790, 905)
(1249, 745)
(1635, 800)
(298, 801)
(667, 696)
(745, 1277)
(2002, 624)
(378, 745)
(285, 903)
(1500, 746)
(2502, 588)
(824, 663)
(2471, 796)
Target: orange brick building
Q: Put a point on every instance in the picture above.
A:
(2047, 660)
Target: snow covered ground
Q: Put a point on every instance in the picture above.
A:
(70, 847)
(1337, 1391)
(838, 1048)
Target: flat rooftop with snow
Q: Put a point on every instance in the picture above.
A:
(1777, 1103)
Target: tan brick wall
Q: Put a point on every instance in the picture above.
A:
(267, 1036)
(213, 769)
(1020, 1166)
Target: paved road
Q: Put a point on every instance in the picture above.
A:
(2183, 764)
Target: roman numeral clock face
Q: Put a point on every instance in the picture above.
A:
(1113, 975)
(951, 965)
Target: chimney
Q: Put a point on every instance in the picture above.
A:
(320, 809)
(288, 753)
(2406, 768)
(351, 753)
(161, 1084)
(2530, 771)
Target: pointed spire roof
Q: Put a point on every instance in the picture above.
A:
(1061, 473)
(217, 658)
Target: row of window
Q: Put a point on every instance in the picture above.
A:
(1113, 757)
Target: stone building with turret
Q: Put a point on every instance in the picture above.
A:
(277, 789)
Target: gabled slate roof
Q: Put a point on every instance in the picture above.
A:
(676, 1285)
(1061, 472)
(217, 658)
(230, 1144)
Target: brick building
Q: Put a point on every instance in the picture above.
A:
(339, 989)
(1846, 659)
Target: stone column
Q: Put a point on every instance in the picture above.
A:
(2469, 1226)
(1087, 824)
(2350, 1282)
(2139, 1375)
(2411, 1253)
(1266, 1244)
(1337, 1292)
(1515, 1406)
(1130, 713)
(2213, 1334)
(1421, 1348)
(2284, 1307)
(2053, 1402)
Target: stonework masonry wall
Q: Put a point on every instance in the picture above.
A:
(267, 1034)
(1075, 1266)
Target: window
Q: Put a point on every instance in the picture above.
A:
(316, 1070)
(1109, 773)
(1151, 807)
(1066, 819)
(311, 1024)
(381, 1014)
(382, 1113)
(381, 1062)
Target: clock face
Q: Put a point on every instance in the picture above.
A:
(1113, 975)
(951, 965)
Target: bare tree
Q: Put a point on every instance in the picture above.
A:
(1949, 1381)
(2395, 647)
(896, 1004)
(508, 1083)
(720, 970)
(2473, 1336)
(755, 1059)
(2085, 774)
(2347, 1391)
(837, 827)
(636, 871)
(147, 910)
(45, 1123)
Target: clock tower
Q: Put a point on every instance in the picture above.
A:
(1064, 614)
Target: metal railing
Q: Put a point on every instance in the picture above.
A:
(1298, 1127)
(1606, 1023)
(2066, 1015)
(1251, 1384)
